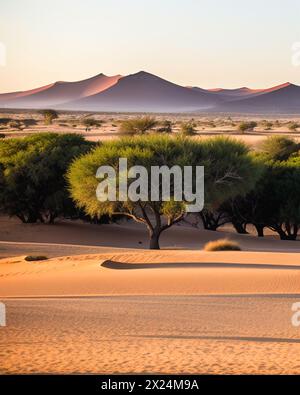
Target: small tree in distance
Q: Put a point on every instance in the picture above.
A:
(279, 147)
(139, 125)
(293, 126)
(165, 127)
(88, 123)
(49, 116)
(247, 126)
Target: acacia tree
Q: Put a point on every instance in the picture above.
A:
(284, 201)
(229, 170)
(88, 123)
(188, 128)
(247, 126)
(33, 185)
(49, 116)
(212, 220)
(139, 125)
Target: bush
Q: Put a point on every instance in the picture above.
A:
(222, 245)
(137, 125)
(188, 128)
(33, 258)
(2, 136)
(293, 126)
(279, 147)
(247, 126)
(229, 171)
(49, 116)
(275, 201)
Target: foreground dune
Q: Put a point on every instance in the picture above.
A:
(152, 273)
(102, 303)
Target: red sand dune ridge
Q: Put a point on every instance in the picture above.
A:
(145, 92)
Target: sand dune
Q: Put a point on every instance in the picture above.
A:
(112, 259)
(151, 334)
(145, 92)
(6, 97)
(148, 273)
(95, 307)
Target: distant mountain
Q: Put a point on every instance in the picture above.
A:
(55, 94)
(146, 92)
(282, 99)
(236, 93)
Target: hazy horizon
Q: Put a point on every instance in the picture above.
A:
(195, 43)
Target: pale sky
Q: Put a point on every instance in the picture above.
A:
(205, 43)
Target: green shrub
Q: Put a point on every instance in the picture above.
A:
(139, 125)
(15, 125)
(247, 126)
(188, 128)
(293, 126)
(229, 171)
(32, 182)
(279, 147)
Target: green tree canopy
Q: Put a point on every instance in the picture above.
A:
(279, 147)
(274, 203)
(33, 175)
(49, 116)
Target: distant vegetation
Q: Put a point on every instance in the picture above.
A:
(279, 147)
(47, 175)
(49, 116)
(89, 123)
(139, 125)
(274, 203)
(16, 125)
(35, 258)
(188, 128)
(32, 175)
(165, 127)
(247, 126)
(294, 126)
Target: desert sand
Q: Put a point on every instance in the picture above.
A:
(103, 303)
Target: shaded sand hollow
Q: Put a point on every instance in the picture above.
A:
(94, 307)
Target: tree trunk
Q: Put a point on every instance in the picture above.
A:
(259, 230)
(240, 227)
(154, 240)
(32, 218)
